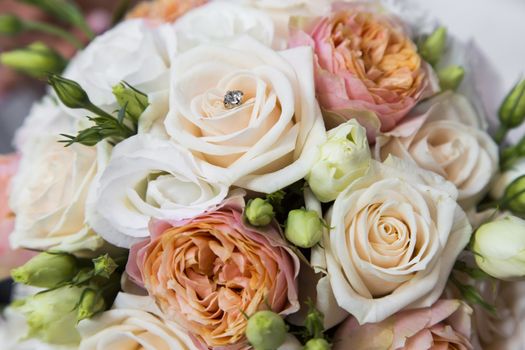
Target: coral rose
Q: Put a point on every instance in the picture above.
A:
(365, 63)
(164, 10)
(207, 273)
(8, 258)
(445, 325)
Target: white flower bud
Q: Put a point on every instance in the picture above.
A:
(344, 157)
(499, 247)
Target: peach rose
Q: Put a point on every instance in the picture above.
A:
(208, 272)
(445, 325)
(164, 10)
(366, 66)
(9, 258)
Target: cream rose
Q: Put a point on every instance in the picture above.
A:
(445, 137)
(221, 22)
(48, 197)
(132, 324)
(135, 51)
(270, 139)
(149, 178)
(395, 236)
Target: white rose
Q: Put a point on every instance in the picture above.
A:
(131, 325)
(48, 196)
(45, 118)
(445, 138)
(134, 51)
(149, 178)
(344, 157)
(221, 22)
(395, 236)
(281, 12)
(267, 142)
(505, 178)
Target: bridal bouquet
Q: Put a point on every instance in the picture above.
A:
(262, 174)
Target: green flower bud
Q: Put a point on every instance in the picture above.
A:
(69, 92)
(130, 98)
(514, 197)
(266, 330)
(304, 228)
(259, 212)
(91, 303)
(512, 110)
(46, 270)
(36, 60)
(317, 344)
(51, 315)
(450, 77)
(343, 158)
(499, 248)
(432, 48)
(104, 266)
(10, 25)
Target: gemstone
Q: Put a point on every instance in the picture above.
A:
(233, 99)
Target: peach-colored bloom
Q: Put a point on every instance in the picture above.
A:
(445, 325)
(208, 272)
(367, 66)
(164, 10)
(9, 258)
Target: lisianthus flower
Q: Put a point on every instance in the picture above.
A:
(445, 325)
(209, 272)
(366, 65)
(9, 258)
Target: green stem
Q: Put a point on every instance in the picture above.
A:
(50, 29)
(500, 134)
(489, 205)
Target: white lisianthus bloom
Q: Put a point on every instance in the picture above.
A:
(445, 137)
(132, 324)
(135, 51)
(281, 11)
(49, 194)
(270, 138)
(221, 22)
(343, 158)
(149, 178)
(395, 236)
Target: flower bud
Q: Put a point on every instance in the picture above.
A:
(10, 25)
(304, 228)
(36, 60)
(69, 92)
(450, 77)
(46, 270)
(499, 248)
(433, 46)
(512, 110)
(104, 266)
(514, 197)
(91, 303)
(266, 330)
(130, 98)
(51, 315)
(259, 212)
(343, 158)
(317, 344)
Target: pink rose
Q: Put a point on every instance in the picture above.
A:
(445, 325)
(208, 272)
(9, 258)
(367, 67)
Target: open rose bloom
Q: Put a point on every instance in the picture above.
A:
(366, 66)
(207, 273)
(445, 325)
